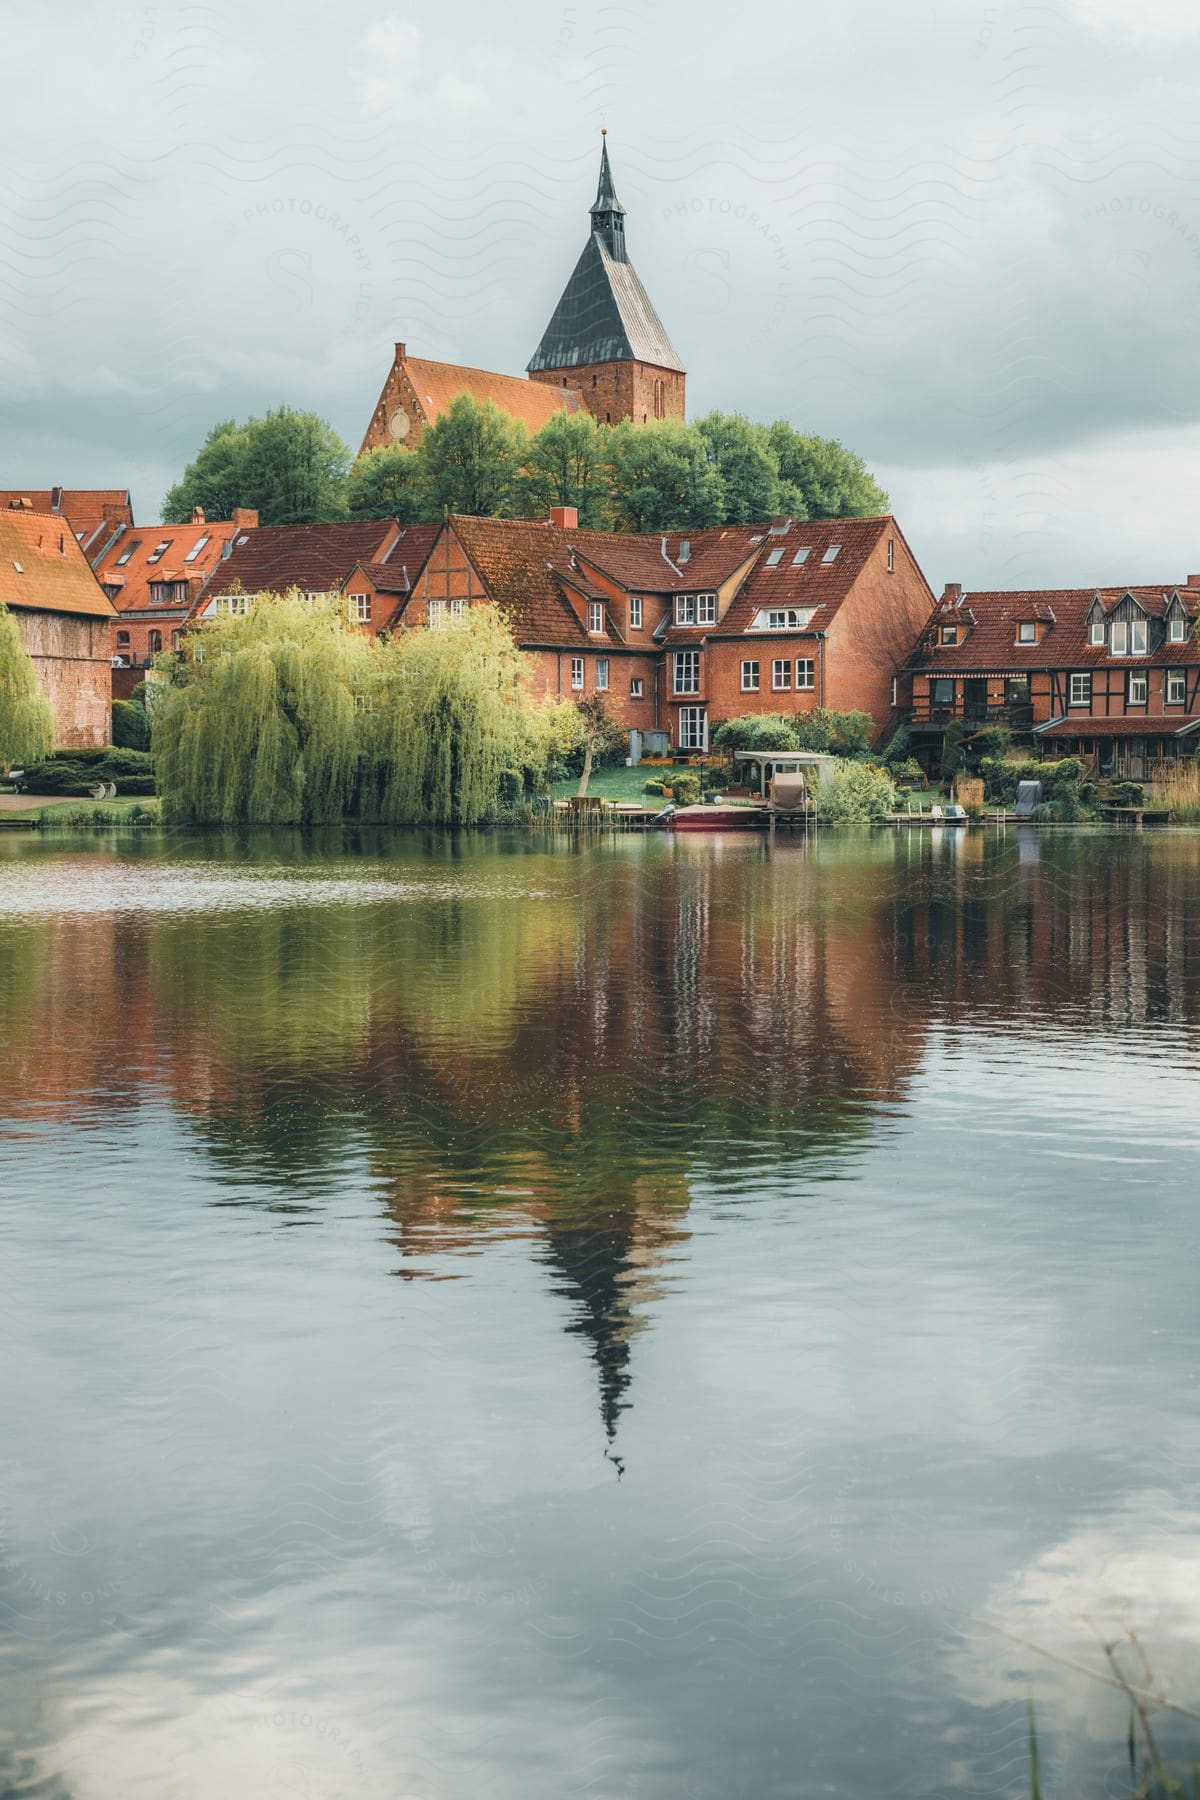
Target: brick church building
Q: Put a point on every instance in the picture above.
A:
(605, 349)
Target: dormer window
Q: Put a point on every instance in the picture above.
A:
(1137, 637)
(1177, 630)
(1118, 641)
(949, 634)
(595, 616)
(783, 618)
(1096, 633)
(695, 609)
(1027, 632)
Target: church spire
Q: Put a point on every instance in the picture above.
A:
(608, 215)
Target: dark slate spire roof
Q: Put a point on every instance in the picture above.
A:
(605, 313)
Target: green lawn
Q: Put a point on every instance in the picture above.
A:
(619, 783)
(31, 806)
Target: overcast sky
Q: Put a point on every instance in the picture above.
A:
(963, 238)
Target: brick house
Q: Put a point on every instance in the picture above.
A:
(154, 577)
(683, 631)
(605, 348)
(64, 618)
(372, 562)
(1109, 674)
(93, 514)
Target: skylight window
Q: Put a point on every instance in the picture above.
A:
(159, 551)
(832, 554)
(197, 547)
(127, 552)
(775, 558)
(685, 550)
(17, 566)
(803, 554)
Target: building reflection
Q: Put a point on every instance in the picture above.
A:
(577, 1067)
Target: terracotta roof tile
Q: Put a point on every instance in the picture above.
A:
(534, 403)
(1131, 725)
(126, 564)
(42, 567)
(85, 509)
(313, 558)
(990, 619)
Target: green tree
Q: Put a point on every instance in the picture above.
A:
(472, 456)
(291, 466)
(662, 477)
(601, 734)
(567, 465)
(821, 479)
(26, 716)
(743, 457)
(389, 483)
(264, 725)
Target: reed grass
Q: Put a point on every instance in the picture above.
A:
(1181, 791)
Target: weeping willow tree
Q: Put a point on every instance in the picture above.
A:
(454, 734)
(265, 723)
(26, 716)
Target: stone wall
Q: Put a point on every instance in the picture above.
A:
(72, 657)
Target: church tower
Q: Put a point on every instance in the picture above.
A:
(605, 338)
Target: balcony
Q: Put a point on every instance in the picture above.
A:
(975, 714)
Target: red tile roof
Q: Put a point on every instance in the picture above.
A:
(812, 585)
(313, 558)
(43, 568)
(126, 564)
(84, 509)
(534, 403)
(1132, 725)
(990, 618)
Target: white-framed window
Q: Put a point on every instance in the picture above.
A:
(577, 671)
(1138, 686)
(436, 613)
(686, 671)
(1081, 690)
(949, 634)
(693, 728)
(750, 674)
(313, 596)
(1176, 687)
(235, 604)
(636, 688)
(895, 689)
(360, 608)
(1096, 632)
(775, 558)
(802, 555)
(1178, 630)
(832, 554)
(601, 672)
(457, 608)
(159, 551)
(805, 672)
(783, 618)
(685, 609)
(635, 612)
(781, 673)
(706, 609)
(595, 616)
(1118, 641)
(1137, 637)
(1027, 632)
(891, 555)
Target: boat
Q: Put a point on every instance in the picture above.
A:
(720, 818)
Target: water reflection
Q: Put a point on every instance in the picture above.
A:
(440, 1183)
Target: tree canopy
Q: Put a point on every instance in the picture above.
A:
(26, 716)
(475, 458)
(291, 466)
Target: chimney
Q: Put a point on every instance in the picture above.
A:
(1193, 581)
(952, 593)
(198, 515)
(401, 352)
(245, 518)
(566, 517)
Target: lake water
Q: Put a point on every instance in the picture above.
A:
(488, 1318)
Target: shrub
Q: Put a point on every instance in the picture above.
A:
(685, 789)
(756, 731)
(854, 792)
(993, 740)
(842, 734)
(77, 772)
(130, 726)
(909, 771)
(1127, 793)
(1060, 780)
(652, 787)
